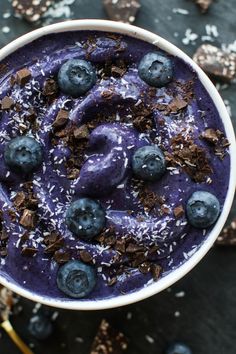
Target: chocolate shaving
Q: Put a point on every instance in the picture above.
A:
(81, 132)
(228, 235)
(178, 211)
(50, 88)
(191, 157)
(215, 62)
(108, 340)
(23, 76)
(177, 104)
(218, 140)
(120, 245)
(61, 256)
(85, 256)
(7, 103)
(29, 251)
(122, 10)
(31, 10)
(61, 119)
(19, 199)
(55, 246)
(28, 219)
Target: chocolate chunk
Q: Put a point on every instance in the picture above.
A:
(28, 219)
(19, 199)
(215, 62)
(50, 87)
(7, 103)
(177, 104)
(23, 76)
(149, 199)
(81, 132)
(61, 256)
(228, 235)
(120, 245)
(108, 340)
(204, 4)
(143, 124)
(55, 246)
(12, 214)
(139, 258)
(210, 135)
(31, 10)
(156, 271)
(122, 10)
(133, 248)
(31, 115)
(178, 211)
(118, 71)
(51, 238)
(144, 268)
(85, 256)
(61, 119)
(29, 251)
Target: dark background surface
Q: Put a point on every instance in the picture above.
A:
(205, 316)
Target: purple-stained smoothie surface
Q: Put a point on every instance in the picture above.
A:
(106, 174)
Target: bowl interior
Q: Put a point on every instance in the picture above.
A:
(173, 276)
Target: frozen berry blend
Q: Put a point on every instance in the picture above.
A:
(114, 165)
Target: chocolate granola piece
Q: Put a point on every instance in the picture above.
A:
(178, 211)
(108, 340)
(215, 62)
(23, 76)
(28, 219)
(61, 119)
(7, 103)
(122, 10)
(204, 4)
(31, 10)
(228, 235)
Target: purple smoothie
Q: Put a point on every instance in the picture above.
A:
(106, 171)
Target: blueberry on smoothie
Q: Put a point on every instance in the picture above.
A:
(203, 209)
(76, 77)
(148, 163)
(85, 218)
(178, 348)
(156, 69)
(23, 154)
(76, 279)
(40, 327)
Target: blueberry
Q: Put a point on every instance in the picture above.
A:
(178, 348)
(148, 163)
(203, 209)
(85, 218)
(76, 77)
(40, 327)
(156, 69)
(76, 279)
(23, 154)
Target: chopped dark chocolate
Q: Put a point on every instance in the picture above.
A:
(29, 251)
(204, 4)
(156, 271)
(210, 135)
(190, 157)
(85, 256)
(61, 256)
(108, 340)
(61, 119)
(228, 235)
(7, 103)
(177, 104)
(120, 245)
(19, 199)
(143, 124)
(215, 62)
(122, 10)
(107, 94)
(50, 87)
(23, 76)
(178, 211)
(55, 246)
(133, 248)
(28, 219)
(31, 10)
(218, 140)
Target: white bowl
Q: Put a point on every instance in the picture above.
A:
(175, 275)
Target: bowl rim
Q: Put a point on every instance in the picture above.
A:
(182, 270)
